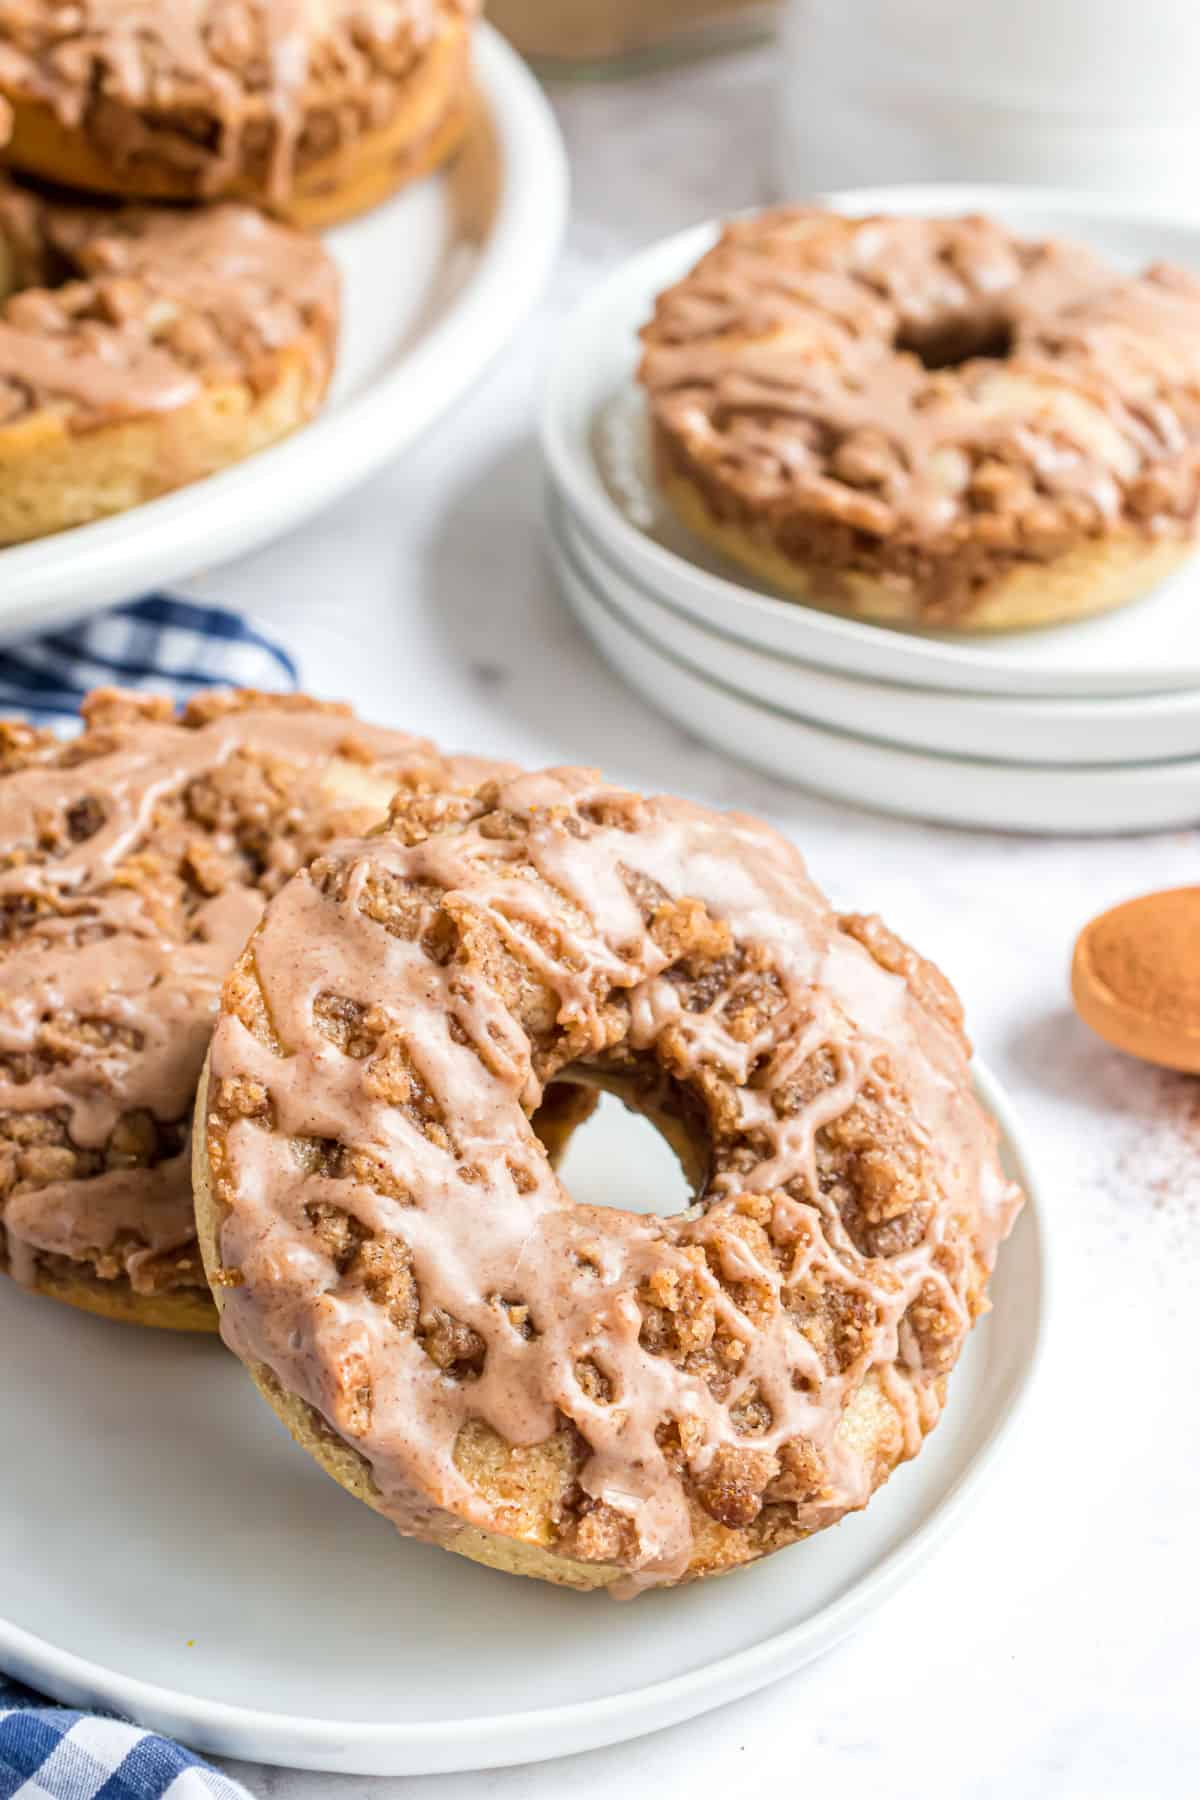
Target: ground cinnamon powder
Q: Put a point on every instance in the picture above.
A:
(1136, 976)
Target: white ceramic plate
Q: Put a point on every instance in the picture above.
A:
(1001, 727)
(868, 771)
(167, 1551)
(1153, 646)
(435, 283)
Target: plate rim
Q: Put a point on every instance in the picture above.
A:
(1086, 773)
(1023, 799)
(535, 1734)
(1166, 727)
(844, 642)
(1166, 703)
(68, 574)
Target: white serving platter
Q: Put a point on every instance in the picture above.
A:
(868, 771)
(435, 282)
(1017, 728)
(167, 1551)
(587, 423)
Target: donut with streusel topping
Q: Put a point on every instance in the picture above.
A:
(134, 862)
(141, 349)
(314, 111)
(586, 1394)
(929, 421)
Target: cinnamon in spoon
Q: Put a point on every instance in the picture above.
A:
(1135, 977)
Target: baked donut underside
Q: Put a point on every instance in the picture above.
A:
(1089, 579)
(572, 1392)
(346, 151)
(929, 422)
(187, 1308)
(55, 475)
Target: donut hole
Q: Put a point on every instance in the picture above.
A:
(948, 343)
(620, 1141)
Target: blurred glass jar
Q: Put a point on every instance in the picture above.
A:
(1097, 94)
(614, 36)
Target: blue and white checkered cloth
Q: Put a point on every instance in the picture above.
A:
(52, 1753)
(161, 643)
(176, 647)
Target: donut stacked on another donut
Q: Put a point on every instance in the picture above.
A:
(142, 349)
(584, 1394)
(929, 422)
(315, 109)
(134, 863)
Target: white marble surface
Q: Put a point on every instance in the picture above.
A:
(1051, 1649)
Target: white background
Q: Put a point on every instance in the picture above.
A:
(1051, 1648)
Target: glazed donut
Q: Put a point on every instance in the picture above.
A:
(582, 1394)
(929, 422)
(141, 350)
(134, 863)
(315, 111)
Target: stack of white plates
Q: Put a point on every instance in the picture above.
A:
(1080, 728)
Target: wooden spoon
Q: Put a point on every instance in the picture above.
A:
(1135, 977)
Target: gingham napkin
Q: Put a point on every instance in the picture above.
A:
(172, 646)
(177, 647)
(52, 1753)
